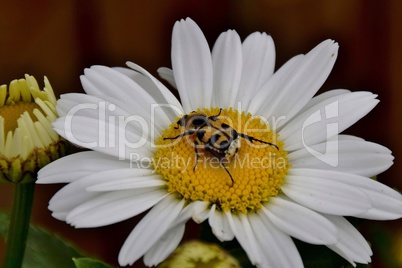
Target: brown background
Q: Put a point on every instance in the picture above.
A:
(60, 38)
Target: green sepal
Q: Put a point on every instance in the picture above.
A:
(18, 170)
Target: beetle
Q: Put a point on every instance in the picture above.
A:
(217, 137)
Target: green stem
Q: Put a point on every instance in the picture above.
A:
(19, 224)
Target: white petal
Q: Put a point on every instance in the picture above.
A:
(64, 104)
(326, 119)
(124, 89)
(112, 83)
(110, 110)
(351, 244)
(277, 248)
(258, 65)
(352, 156)
(121, 87)
(300, 222)
(113, 116)
(384, 206)
(87, 105)
(165, 246)
(185, 214)
(61, 216)
(171, 239)
(113, 112)
(220, 225)
(150, 229)
(303, 82)
(265, 97)
(113, 207)
(349, 137)
(129, 89)
(79, 165)
(173, 108)
(104, 177)
(323, 194)
(145, 82)
(385, 203)
(127, 181)
(323, 96)
(124, 142)
(75, 193)
(165, 100)
(201, 211)
(244, 235)
(192, 65)
(227, 67)
(69, 197)
(167, 74)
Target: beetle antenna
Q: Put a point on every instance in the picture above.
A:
(213, 117)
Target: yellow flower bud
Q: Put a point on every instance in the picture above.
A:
(195, 254)
(27, 139)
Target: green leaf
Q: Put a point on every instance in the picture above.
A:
(43, 249)
(89, 263)
(47, 250)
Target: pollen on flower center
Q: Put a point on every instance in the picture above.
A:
(202, 166)
(12, 112)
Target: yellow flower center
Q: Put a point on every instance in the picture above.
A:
(12, 112)
(239, 176)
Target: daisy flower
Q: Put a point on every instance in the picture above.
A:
(249, 150)
(27, 139)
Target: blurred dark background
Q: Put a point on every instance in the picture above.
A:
(60, 38)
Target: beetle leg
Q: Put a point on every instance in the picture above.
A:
(196, 155)
(227, 171)
(254, 139)
(222, 164)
